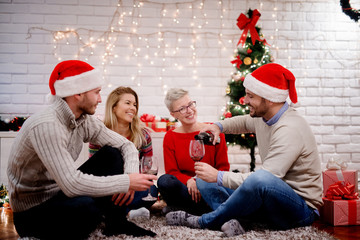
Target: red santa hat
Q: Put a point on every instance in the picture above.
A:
(272, 82)
(73, 77)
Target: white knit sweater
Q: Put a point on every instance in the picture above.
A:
(42, 158)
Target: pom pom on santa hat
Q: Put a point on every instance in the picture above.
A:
(73, 77)
(272, 82)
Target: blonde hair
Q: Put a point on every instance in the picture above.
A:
(110, 120)
(172, 95)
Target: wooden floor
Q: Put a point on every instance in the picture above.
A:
(8, 232)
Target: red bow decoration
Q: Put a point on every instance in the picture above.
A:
(341, 190)
(248, 24)
(237, 61)
(147, 117)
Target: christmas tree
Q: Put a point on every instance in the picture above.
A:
(252, 52)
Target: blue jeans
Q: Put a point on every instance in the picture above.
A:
(262, 196)
(213, 194)
(176, 194)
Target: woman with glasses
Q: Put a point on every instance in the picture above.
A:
(178, 186)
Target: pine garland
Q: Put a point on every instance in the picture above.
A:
(12, 125)
(348, 10)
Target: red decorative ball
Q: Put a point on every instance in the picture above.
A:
(252, 135)
(249, 51)
(227, 115)
(242, 78)
(242, 100)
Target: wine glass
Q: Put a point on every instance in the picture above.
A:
(197, 150)
(146, 164)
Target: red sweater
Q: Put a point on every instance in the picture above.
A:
(177, 159)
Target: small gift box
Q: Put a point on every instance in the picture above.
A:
(160, 127)
(149, 120)
(341, 204)
(341, 212)
(333, 176)
(337, 171)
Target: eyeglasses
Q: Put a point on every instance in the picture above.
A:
(183, 110)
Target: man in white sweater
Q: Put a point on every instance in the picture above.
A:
(286, 191)
(50, 197)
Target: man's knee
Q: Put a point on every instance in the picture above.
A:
(259, 178)
(200, 184)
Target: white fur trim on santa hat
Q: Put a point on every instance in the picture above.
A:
(263, 90)
(79, 83)
(51, 98)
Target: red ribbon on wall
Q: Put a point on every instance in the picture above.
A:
(248, 24)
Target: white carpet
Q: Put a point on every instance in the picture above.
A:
(158, 225)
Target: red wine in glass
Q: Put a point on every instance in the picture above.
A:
(197, 150)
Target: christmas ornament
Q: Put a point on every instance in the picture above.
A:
(249, 51)
(242, 100)
(228, 89)
(236, 78)
(247, 61)
(243, 136)
(256, 61)
(227, 115)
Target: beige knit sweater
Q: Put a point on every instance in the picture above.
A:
(287, 149)
(42, 158)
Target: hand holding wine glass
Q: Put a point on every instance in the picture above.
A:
(146, 164)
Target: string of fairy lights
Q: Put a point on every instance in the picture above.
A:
(130, 37)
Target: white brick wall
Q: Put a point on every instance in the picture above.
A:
(313, 38)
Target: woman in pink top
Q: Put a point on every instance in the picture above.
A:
(179, 187)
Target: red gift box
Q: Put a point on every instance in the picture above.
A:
(149, 120)
(151, 125)
(333, 176)
(341, 212)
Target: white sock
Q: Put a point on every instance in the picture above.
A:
(141, 212)
(232, 228)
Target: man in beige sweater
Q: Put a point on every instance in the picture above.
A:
(50, 197)
(286, 191)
